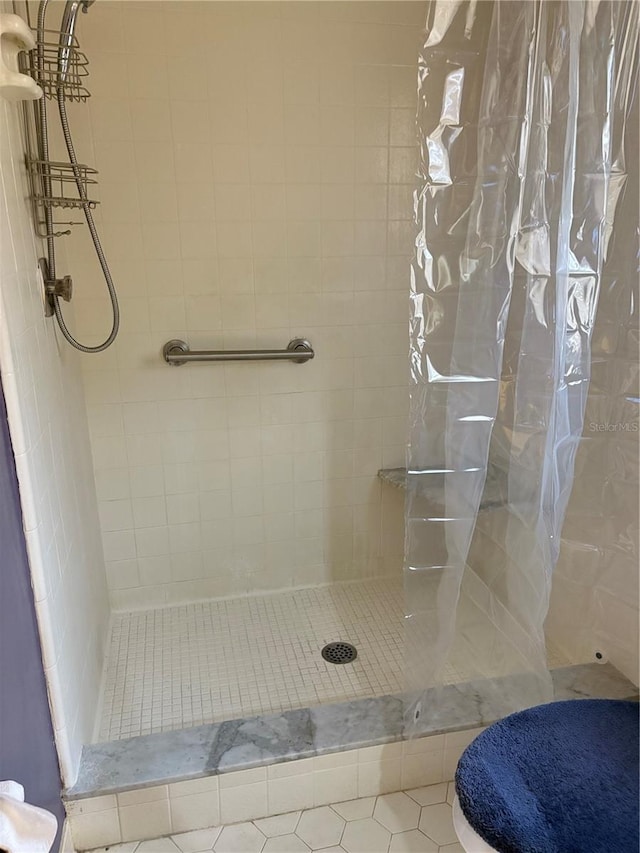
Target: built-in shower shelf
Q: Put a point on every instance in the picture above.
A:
(396, 477)
(493, 495)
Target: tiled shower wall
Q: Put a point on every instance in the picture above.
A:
(48, 424)
(594, 601)
(256, 173)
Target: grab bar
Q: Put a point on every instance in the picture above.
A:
(177, 353)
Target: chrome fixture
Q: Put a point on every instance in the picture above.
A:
(177, 353)
(339, 652)
(60, 287)
(60, 69)
(67, 30)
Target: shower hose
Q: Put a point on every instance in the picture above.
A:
(51, 254)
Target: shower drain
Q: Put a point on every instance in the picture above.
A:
(339, 652)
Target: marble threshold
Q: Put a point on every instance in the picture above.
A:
(174, 756)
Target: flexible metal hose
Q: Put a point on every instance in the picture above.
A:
(88, 215)
(43, 143)
(51, 257)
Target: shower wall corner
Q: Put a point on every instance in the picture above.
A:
(49, 434)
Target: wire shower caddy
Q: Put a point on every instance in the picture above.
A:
(56, 185)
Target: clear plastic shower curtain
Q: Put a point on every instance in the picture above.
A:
(523, 118)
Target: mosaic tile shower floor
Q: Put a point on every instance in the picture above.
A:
(199, 663)
(187, 665)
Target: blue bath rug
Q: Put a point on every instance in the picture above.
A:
(558, 778)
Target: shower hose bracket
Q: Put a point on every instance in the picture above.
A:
(61, 287)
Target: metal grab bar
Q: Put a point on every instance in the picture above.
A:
(177, 353)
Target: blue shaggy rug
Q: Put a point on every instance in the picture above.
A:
(558, 778)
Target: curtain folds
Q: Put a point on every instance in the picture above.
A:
(526, 132)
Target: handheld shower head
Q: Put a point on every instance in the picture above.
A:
(70, 15)
(67, 31)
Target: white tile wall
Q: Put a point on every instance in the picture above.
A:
(275, 790)
(595, 597)
(256, 182)
(48, 422)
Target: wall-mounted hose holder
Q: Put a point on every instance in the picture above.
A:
(60, 287)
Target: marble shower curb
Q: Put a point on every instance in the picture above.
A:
(217, 748)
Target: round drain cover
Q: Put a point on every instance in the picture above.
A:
(339, 652)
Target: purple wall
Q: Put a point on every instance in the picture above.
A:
(27, 749)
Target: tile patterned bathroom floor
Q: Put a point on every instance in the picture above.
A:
(416, 821)
(188, 665)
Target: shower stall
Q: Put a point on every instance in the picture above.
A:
(265, 496)
(252, 183)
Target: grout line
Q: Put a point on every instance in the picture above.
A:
(193, 664)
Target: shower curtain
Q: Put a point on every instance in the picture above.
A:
(527, 121)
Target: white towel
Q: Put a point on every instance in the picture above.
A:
(24, 828)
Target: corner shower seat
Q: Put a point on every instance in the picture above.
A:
(493, 496)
